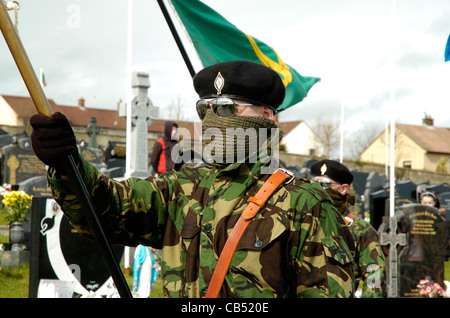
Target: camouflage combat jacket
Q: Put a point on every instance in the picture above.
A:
(369, 259)
(296, 246)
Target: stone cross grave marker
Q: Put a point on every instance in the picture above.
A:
(143, 112)
(393, 240)
(93, 130)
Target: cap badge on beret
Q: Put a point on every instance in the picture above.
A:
(219, 82)
(323, 169)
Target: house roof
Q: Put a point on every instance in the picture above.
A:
(430, 138)
(80, 116)
(23, 106)
(289, 126)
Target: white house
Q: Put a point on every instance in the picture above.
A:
(300, 139)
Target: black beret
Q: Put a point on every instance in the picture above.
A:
(333, 170)
(244, 80)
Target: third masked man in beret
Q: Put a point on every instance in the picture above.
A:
(296, 245)
(336, 178)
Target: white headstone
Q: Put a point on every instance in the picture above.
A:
(143, 112)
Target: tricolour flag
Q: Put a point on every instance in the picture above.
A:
(447, 50)
(42, 78)
(217, 40)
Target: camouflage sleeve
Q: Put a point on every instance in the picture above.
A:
(131, 212)
(324, 259)
(370, 260)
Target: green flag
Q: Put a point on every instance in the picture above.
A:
(217, 40)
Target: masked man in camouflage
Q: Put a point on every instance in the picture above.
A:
(369, 258)
(296, 246)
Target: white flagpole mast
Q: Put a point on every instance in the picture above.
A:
(392, 109)
(128, 110)
(128, 86)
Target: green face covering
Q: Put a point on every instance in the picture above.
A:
(340, 201)
(238, 138)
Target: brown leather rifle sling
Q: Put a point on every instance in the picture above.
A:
(254, 205)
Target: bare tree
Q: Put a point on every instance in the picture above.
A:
(328, 131)
(176, 109)
(361, 139)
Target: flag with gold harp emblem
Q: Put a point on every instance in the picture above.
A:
(216, 40)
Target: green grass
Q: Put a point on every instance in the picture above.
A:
(447, 271)
(4, 239)
(156, 291)
(3, 216)
(14, 282)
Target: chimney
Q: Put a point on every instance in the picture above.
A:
(81, 102)
(427, 120)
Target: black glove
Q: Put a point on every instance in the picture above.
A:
(53, 140)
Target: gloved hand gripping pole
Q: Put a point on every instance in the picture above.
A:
(43, 107)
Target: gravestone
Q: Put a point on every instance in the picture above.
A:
(93, 131)
(309, 162)
(24, 142)
(59, 253)
(444, 199)
(142, 114)
(378, 200)
(7, 139)
(378, 207)
(114, 173)
(406, 190)
(20, 164)
(115, 154)
(36, 187)
(94, 156)
(401, 200)
(421, 186)
(357, 188)
(299, 173)
(373, 197)
(424, 253)
(438, 188)
(359, 181)
(389, 236)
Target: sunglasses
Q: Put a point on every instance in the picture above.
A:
(324, 182)
(223, 107)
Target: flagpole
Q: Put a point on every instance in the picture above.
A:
(392, 111)
(128, 88)
(43, 107)
(129, 98)
(176, 37)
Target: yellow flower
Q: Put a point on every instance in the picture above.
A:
(17, 203)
